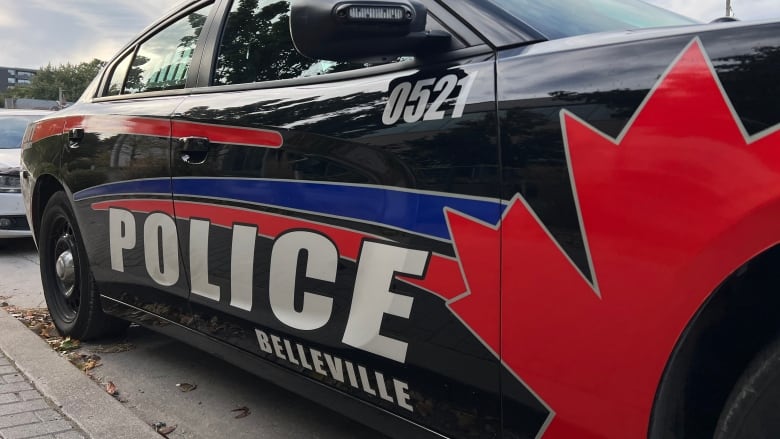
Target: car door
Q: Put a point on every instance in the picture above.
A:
(318, 205)
(117, 164)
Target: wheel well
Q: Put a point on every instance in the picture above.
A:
(740, 318)
(45, 187)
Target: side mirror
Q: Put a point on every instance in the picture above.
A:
(360, 31)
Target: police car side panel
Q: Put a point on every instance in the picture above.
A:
(326, 253)
(642, 174)
(326, 250)
(125, 141)
(601, 273)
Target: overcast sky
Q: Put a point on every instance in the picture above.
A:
(37, 32)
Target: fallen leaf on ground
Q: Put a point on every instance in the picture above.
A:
(37, 327)
(111, 388)
(49, 331)
(68, 344)
(186, 387)
(83, 361)
(243, 412)
(90, 364)
(167, 430)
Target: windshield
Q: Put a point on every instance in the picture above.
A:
(12, 130)
(567, 18)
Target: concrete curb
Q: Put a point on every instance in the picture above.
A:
(97, 413)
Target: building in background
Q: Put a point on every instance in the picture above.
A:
(12, 76)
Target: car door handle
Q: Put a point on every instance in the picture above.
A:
(194, 150)
(75, 136)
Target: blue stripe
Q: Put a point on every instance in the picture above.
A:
(416, 212)
(159, 186)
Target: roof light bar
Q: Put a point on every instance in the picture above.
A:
(372, 13)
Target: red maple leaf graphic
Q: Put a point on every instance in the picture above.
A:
(673, 206)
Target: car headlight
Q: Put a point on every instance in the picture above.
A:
(10, 183)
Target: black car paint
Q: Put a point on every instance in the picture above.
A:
(432, 161)
(514, 130)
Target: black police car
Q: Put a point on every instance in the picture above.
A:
(493, 218)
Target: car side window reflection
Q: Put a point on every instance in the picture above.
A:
(162, 61)
(256, 46)
(117, 81)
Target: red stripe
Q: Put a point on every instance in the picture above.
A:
(47, 128)
(443, 276)
(140, 206)
(228, 134)
(157, 127)
(142, 126)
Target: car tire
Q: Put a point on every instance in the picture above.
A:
(68, 286)
(751, 409)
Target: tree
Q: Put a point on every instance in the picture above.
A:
(72, 79)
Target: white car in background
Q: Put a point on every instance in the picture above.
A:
(13, 223)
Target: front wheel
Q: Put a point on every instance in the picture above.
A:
(752, 408)
(68, 287)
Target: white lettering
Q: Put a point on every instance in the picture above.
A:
(411, 101)
(242, 259)
(380, 384)
(302, 355)
(316, 357)
(465, 88)
(372, 297)
(364, 380)
(160, 239)
(361, 381)
(402, 394)
(277, 344)
(351, 374)
(334, 366)
(121, 232)
(445, 86)
(396, 103)
(199, 261)
(321, 264)
(262, 339)
(288, 349)
(418, 100)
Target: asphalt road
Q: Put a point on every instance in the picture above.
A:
(148, 366)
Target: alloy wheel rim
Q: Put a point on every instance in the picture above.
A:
(66, 272)
(65, 261)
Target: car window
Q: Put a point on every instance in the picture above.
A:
(12, 130)
(117, 80)
(256, 46)
(566, 18)
(162, 61)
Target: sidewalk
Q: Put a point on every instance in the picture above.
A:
(43, 396)
(23, 411)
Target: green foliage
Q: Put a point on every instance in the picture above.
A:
(257, 46)
(73, 79)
